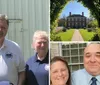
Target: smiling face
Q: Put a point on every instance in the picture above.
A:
(92, 59)
(59, 73)
(41, 45)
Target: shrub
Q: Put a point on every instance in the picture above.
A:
(89, 29)
(54, 37)
(97, 35)
(64, 29)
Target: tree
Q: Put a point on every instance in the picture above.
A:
(56, 7)
(62, 21)
(94, 7)
(92, 24)
(91, 17)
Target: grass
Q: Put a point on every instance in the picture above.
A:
(86, 35)
(66, 36)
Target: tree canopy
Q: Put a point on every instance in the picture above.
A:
(94, 7)
(56, 7)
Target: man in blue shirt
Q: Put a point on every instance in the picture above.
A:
(90, 75)
(37, 67)
(12, 65)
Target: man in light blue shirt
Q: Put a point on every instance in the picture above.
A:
(90, 75)
(12, 65)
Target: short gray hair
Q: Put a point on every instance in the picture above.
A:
(40, 33)
(4, 17)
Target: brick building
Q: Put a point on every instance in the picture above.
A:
(76, 20)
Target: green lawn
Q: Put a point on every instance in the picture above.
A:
(86, 35)
(66, 36)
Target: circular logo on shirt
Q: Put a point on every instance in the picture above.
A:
(47, 67)
(9, 55)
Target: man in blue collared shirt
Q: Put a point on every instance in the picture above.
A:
(37, 68)
(91, 67)
(12, 65)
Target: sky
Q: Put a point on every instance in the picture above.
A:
(75, 8)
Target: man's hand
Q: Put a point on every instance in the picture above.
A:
(21, 78)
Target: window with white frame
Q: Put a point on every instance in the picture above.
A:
(73, 53)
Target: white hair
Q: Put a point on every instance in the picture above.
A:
(40, 33)
(3, 16)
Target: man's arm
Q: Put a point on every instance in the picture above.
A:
(21, 78)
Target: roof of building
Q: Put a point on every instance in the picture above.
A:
(76, 15)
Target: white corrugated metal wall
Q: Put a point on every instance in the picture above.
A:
(26, 16)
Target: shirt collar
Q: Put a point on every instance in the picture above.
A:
(35, 57)
(41, 59)
(98, 78)
(90, 76)
(45, 60)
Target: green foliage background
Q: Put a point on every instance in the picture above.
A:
(56, 7)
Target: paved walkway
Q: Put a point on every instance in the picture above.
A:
(77, 36)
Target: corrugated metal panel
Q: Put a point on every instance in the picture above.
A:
(26, 16)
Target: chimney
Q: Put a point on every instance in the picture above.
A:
(82, 13)
(69, 13)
